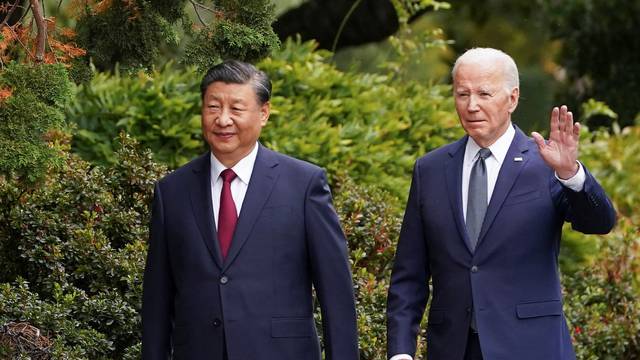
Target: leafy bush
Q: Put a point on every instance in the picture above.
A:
(72, 252)
(241, 30)
(125, 32)
(29, 112)
(601, 300)
(161, 110)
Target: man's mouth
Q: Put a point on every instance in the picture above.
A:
(224, 135)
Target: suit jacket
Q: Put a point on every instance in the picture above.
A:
(511, 279)
(259, 299)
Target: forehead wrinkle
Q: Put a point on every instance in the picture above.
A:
(222, 97)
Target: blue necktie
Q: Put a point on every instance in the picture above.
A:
(477, 197)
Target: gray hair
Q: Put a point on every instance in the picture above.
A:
(238, 72)
(510, 70)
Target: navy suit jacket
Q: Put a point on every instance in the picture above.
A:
(259, 298)
(512, 277)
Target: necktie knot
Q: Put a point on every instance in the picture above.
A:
(484, 153)
(228, 175)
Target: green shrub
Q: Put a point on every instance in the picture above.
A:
(371, 128)
(29, 118)
(161, 110)
(128, 33)
(602, 292)
(241, 30)
(601, 300)
(370, 219)
(72, 252)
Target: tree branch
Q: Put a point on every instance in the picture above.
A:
(15, 35)
(41, 36)
(195, 8)
(10, 12)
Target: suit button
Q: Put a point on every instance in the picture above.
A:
(224, 280)
(474, 269)
(468, 310)
(217, 322)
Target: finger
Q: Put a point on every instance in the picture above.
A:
(562, 121)
(553, 123)
(539, 140)
(576, 132)
(568, 126)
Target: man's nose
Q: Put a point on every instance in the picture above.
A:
(473, 103)
(224, 119)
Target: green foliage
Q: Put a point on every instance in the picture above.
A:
(602, 294)
(371, 221)
(29, 118)
(161, 110)
(592, 108)
(48, 83)
(369, 218)
(600, 50)
(242, 32)
(72, 253)
(229, 40)
(602, 300)
(614, 158)
(125, 33)
(172, 10)
(368, 127)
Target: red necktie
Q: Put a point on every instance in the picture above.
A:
(227, 216)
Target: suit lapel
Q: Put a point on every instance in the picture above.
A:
(263, 178)
(202, 208)
(509, 172)
(453, 171)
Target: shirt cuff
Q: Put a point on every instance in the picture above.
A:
(401, 357)
(575, 183)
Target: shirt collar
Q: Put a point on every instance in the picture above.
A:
(498, 149)
(243, 168)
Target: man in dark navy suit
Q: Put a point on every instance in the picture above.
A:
(239, 236)
(483, 222)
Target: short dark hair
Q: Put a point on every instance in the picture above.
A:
(238, 72)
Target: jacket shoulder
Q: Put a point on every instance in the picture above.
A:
(440, 154)
(199, 164)
(291, 163)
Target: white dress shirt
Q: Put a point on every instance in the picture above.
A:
(493, 163)
(239, 185)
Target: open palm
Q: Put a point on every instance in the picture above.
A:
(561, 151)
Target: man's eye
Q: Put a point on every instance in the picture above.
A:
(213, 106)
(463, 95)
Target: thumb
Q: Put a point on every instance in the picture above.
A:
(538, 139)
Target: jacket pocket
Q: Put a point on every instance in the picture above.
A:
(537, 309)
(292, 327)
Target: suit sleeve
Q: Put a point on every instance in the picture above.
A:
(158, 289)
(331, 272)
(589, 211)
(409, 288)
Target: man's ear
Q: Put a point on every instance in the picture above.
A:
(265, 110)
(514, 96)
